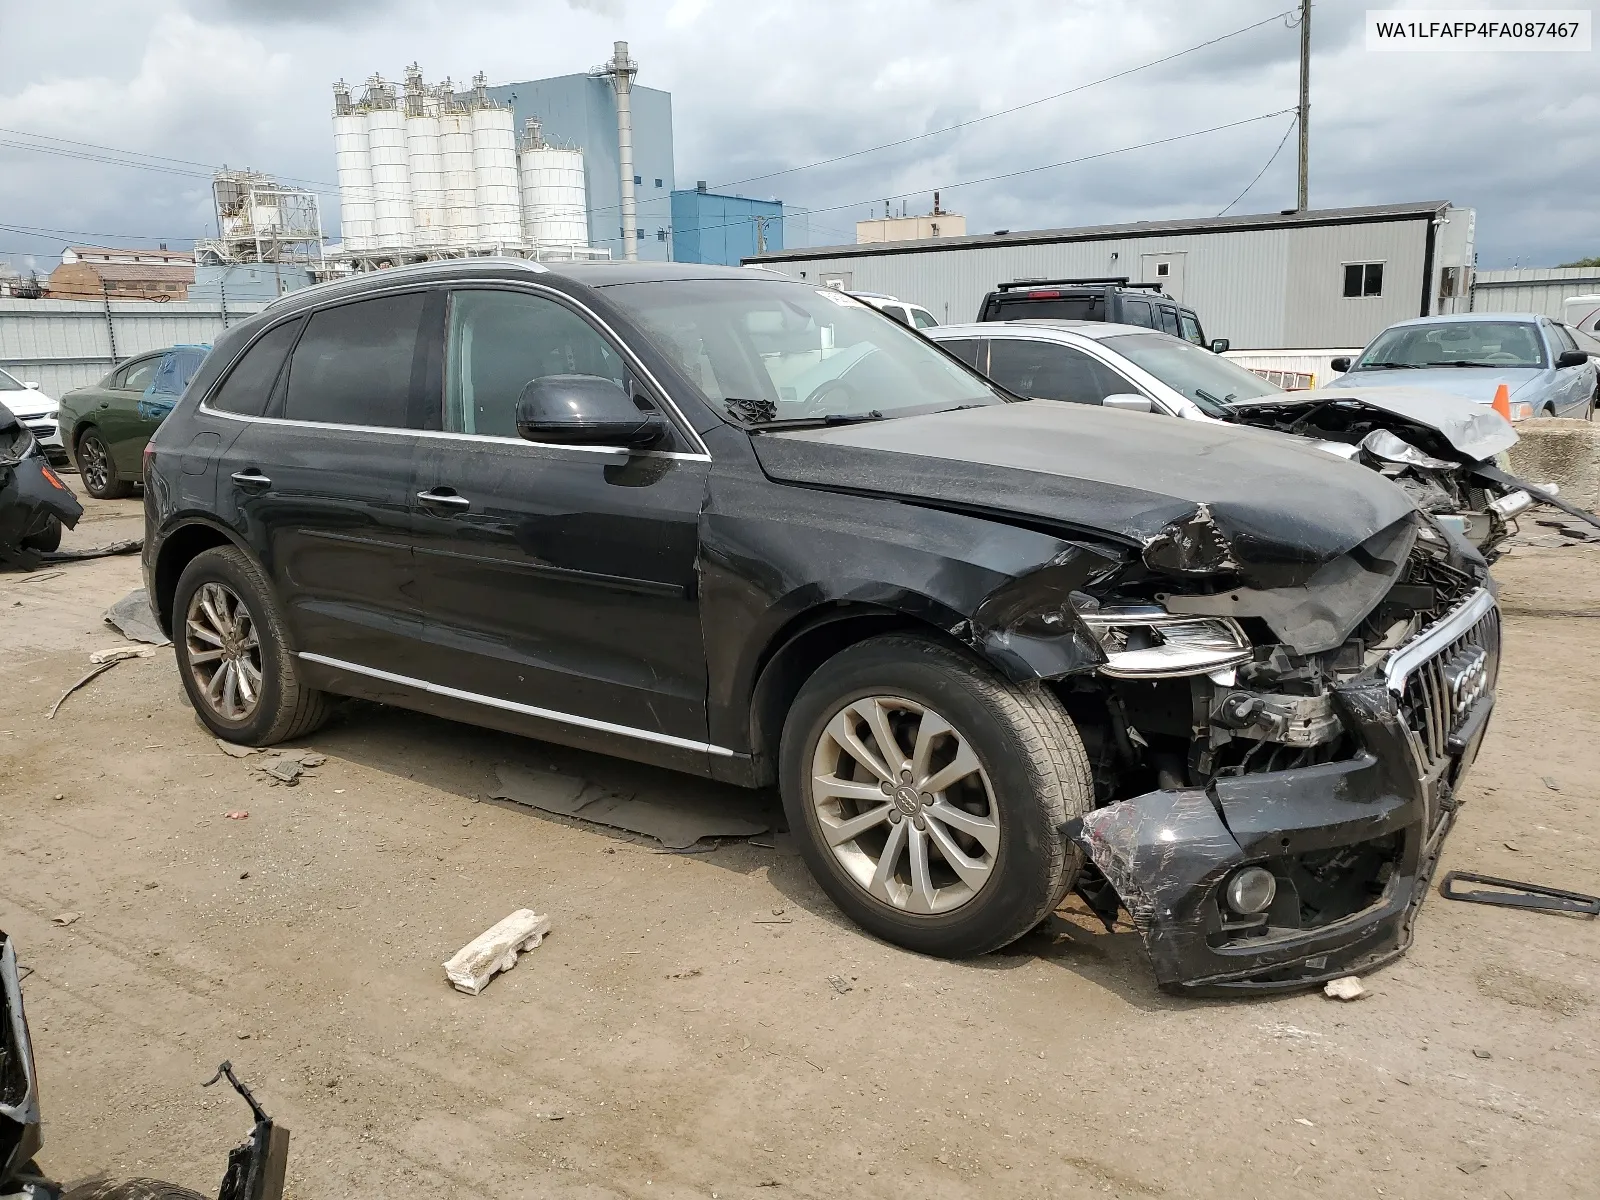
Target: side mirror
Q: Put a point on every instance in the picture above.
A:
(585, 410)
(1128, 402)
(32, 385)
(1220, 345)
(1567, 358)
(1341, 364)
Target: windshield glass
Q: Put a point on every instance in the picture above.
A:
(1456, 343)
(1208, 379)
(764, 350)
(8, 384)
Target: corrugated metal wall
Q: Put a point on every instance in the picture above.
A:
(1260, 288)
(1532, 289)
(64, 344)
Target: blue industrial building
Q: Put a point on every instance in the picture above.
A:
(708, 227)
(581, 111)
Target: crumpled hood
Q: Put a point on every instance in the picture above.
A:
(1474, 383)
(1280, 508)
(1473, 429)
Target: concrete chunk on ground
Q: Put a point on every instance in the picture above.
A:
(494, 950)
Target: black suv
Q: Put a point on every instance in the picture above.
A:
(736, 525)
(1112, 298)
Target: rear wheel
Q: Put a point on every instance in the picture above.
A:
(46, 542)
(98, 469)
(233, 654)
(928, 794)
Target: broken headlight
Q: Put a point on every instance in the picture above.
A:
(1147, 642)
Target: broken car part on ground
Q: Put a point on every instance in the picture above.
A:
(769, 535)
(34, 503)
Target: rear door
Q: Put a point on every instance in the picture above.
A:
(321, 484)
(558, 579)
(117, 413)
(1574, 386)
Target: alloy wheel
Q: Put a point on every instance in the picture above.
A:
(93, 464)
(904, 805)
(224, 652)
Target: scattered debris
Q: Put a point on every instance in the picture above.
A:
(101, 669)
(1347, 987)
(689, 974)
(1512, 894)
(772, 921)
(65, 919)
(839, 983)
(237, 814)
(40, 576)
(1481, 1054)
(783, 843)
(120, 653)
(678, 824)
(107, 551)
(1303, 1121)
(1550, 783)
(287, 767)
(238, 751)
(777, 912)
(1471, 1168)
(1513, 847)
(133, 617)
(471, 967)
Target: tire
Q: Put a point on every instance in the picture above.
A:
(47, 542)
(225, 606)
(1031, 775)
(133, 1189)
(98, 469)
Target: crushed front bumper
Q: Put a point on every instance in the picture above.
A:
(1363, 834)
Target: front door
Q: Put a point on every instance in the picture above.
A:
(321, 485)
(556, 578)
(117, 414)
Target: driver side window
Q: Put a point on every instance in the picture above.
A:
(499, 342)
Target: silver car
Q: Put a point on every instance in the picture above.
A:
(1471, 354)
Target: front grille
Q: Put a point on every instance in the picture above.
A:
(1441, 691)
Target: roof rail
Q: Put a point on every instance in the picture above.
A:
(1099, 281)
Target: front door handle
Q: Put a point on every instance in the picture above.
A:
(251, 480)
(444, 498)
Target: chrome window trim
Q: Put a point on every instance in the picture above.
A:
(547, 714)
(675, 414)
(1397, 668)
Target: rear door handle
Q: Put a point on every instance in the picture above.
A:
(251, 479)
(444, 498)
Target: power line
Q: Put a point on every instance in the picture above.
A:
(1017, 108)
(1281, 144)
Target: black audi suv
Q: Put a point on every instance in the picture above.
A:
(732, 524)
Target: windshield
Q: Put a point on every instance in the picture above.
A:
(1456, 344)
(8, 384)
(1208, 379)
(762, 350)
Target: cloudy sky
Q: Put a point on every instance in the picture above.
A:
(763, 87)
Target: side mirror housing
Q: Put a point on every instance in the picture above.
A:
(1128, 402)
(1567, 358)
(585, 410)
(1341, 364)
(1220, 345)
(31, 384)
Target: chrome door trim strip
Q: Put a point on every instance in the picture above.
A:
(546, 714)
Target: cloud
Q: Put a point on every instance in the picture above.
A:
(762, 88)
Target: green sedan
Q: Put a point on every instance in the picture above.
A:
(107, 424)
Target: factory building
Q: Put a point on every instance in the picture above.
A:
(1306, 279)
(708, 227)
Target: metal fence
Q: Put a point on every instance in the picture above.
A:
(65, 344)
(1532, 289)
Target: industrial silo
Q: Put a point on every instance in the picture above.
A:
(391, 177)
(354, 163)
(425, 163)
(494, 161)
(460, 182)
(554, 207)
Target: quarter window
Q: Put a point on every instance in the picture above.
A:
(246, 389)
(501, 341)
(354, 364)
(1048, 371)
(138, 375)
(1363, 279)
(922, 319)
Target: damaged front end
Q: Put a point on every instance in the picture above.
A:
(34, 503)
(1277, 750)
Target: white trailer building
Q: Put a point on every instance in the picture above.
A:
(1306, 280)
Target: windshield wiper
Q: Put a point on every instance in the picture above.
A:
(1223, 413)
(1387, 367)
(1467, 362)
(816, 422)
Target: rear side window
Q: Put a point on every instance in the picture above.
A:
(1562, 338)
(1048, 371)
(354, 364)
(249, 384)
(1137, 312)
(1169, 321)
(922, 319)
(138, 375)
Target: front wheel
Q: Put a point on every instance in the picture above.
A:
(928, 794)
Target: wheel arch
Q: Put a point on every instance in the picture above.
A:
(179, 547)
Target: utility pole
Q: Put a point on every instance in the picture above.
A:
(761, 233)
(1305, 101)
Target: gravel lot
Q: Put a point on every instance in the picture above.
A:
(677, 1034)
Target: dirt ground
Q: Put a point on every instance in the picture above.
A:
(677, 1035)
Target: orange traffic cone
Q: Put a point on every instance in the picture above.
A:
(1502, 401)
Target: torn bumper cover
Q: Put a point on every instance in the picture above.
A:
(1351, 845)
(19, 1088)
(32, 498)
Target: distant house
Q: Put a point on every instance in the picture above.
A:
(93, 272)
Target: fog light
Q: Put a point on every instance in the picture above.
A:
(1251, 890)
